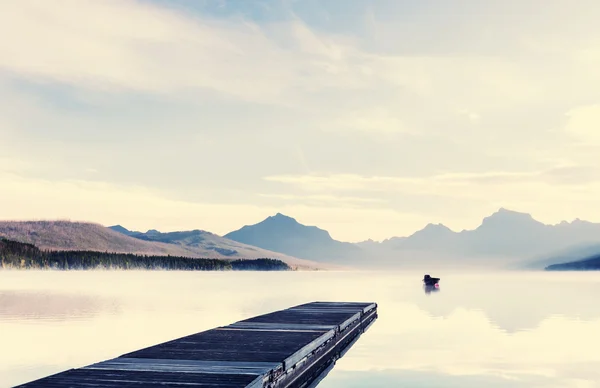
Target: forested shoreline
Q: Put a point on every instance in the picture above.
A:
(18, 255)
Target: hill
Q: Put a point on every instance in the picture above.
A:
(284, 234)
(193, 239)
(83, 236)
(209, 244)
(572, 253)
(589, 264)
(17, 255)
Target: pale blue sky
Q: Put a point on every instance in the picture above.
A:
(367, 118)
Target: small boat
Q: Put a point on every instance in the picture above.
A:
(432, 282)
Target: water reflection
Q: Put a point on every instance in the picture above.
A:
(466, 343)
(517, 302)
(430, 288)
(492, 330)
(49, 306)
(429, 379)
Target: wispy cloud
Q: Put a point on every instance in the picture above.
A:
(374, 122)
(357, 182)
(584, 123)
(327, 200)
(143, 48)
(573, 186)
(140, 208)
(148, 48)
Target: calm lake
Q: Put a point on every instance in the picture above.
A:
(480, 330)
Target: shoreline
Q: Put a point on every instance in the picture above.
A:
(23, 256)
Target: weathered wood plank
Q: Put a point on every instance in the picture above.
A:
(284, 349)
(184, 366)
(278, 326)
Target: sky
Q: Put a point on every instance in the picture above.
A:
(368, 118)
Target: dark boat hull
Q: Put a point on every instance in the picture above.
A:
(431, 281)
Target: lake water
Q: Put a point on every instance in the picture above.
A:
(480, 330)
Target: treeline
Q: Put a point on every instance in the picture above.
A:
(589, 264)
(15, 254)
(259, 265)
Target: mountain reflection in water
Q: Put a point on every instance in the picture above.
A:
(47, 306)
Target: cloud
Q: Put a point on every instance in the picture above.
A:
(140, 208)
(198, 103)
(325, 199)
(375, 121)
(346, 182)
(152, 49)
(471, 116)
(155, 49)
(147, 48)
(572, 175)
(584, 124)
(459, 196)
(447, 183)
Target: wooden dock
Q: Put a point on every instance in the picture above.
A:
(292, 348)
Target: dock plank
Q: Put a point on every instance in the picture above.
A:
(291, 348)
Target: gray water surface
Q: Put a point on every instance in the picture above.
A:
(480, 330)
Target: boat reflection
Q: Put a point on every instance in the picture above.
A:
(431, 288)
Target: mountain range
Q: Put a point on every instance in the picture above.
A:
(66, 235)
(281, 233)
(505, 239)
(505, 235)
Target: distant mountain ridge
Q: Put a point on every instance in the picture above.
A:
(211, 244)
(502, 238)
(188, 239)
(122, 230)
(504, 233)
(284, 234)
(67, 235)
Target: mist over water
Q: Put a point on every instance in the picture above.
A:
(502, 329)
